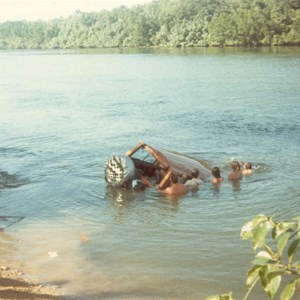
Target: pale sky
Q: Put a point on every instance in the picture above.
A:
(44, 9)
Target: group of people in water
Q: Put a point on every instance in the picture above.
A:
(181, 187)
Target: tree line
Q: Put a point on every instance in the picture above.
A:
(164, 23)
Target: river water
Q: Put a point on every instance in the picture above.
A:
(62, 113)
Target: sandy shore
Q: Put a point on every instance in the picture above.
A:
(13, 286)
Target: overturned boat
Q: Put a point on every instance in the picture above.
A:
(151, 162)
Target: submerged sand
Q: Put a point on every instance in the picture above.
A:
(14, 286)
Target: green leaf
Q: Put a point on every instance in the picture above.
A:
(214, 297)
(274, 233)
(252, 276)
(275, 273)
(260, 233)
(297, 218)
(269, 250)
(246, 231)
(282, 241)
(263, 278)
(296, 265)
(263, 254)
(292, 249)
(270, 279)
(263, 258)
(288, 291)
(282, 227)
(258, 219)
(227, 296)
(273, 285)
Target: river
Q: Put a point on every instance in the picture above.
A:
(64, 112)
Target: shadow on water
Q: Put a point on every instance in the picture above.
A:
(7, 221)
(10, 181)
(186, 51)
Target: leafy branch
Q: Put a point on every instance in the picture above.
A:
(271, 265)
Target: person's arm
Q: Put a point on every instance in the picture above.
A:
(165, 191)
(146, 181)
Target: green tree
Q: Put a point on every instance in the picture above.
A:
(167, 23)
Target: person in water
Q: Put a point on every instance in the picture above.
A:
(193, 183)
(236, 173)
(247, 168)
(176, 188)
(216, 173)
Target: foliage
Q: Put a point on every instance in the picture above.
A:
(221, 297)
(270, 266)
(166, 23)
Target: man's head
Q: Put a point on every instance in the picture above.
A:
(235, 165)
(195, 173)
(248, 165)
(216, 172)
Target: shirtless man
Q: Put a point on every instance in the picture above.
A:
(176, 188)
(217, 178)
(236, 174)
(247, 168)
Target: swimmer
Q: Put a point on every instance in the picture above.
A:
(236, 171)
(176, 188)
(217, 178)
(194, 183)
(247, 168)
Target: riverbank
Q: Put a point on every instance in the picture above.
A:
(14, 286)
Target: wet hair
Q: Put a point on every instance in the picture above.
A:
(174, 178)
(216, 172)
(235, 165)
(139, 186)
(195, 173)
(248, 165)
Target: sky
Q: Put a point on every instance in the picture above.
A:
(32, 10)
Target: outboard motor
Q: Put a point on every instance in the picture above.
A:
(119, 171)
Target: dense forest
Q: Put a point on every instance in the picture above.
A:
(164, 23)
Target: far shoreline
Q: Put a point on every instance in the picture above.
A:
(242, 47)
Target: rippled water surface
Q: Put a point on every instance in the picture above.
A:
(62, 113)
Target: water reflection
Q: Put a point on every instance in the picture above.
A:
(173, 199)
(236, 185)
(120, 196)
(185, 51)
(216, 187)
(149, 206)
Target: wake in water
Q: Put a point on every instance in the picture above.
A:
(257, 167)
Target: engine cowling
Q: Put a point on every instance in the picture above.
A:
(119, 171)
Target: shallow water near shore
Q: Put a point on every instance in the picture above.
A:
(62, 113)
